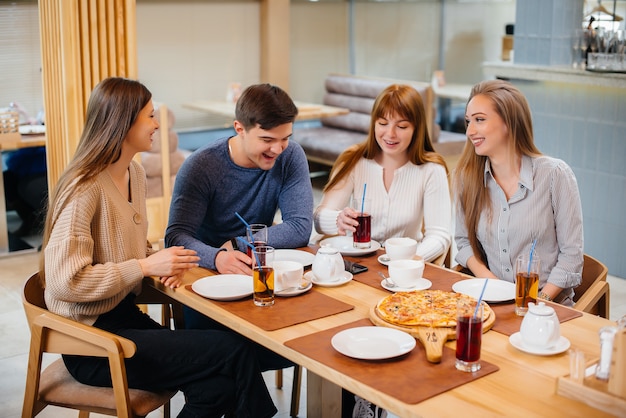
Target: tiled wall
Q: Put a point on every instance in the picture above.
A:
(586, 127)
(544, 29)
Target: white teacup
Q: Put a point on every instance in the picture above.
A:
(287, 274)
(406, 273)
(400, 248)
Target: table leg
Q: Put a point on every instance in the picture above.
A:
(323, 398)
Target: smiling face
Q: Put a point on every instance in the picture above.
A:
(139, 137)
(259, 147)
(393, 134)
(485, 128)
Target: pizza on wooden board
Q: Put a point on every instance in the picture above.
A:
(429, 308)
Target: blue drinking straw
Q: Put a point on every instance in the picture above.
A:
(480, 298)
(363, 198)
(242, 220)
(532, 252)
(258, 262)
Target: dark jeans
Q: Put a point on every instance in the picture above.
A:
(268, 360)
(217, 371)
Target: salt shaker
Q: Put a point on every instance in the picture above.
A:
(607, 335)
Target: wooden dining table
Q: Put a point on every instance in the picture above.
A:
(513, 383)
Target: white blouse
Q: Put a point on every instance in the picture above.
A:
(419, 195)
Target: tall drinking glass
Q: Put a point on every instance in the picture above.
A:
(526, 282)
(362, 237)
(257, 236)
(263, 275)
(469, 335)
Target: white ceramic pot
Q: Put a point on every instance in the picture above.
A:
(540, 326)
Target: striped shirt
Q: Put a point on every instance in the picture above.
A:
(546, 207)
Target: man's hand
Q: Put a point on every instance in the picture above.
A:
(233, 262)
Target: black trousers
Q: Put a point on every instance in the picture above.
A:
(268, 360)
(217, 371)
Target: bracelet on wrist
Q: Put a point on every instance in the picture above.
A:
(545, 296)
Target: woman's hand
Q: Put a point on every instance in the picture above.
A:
(169, 262)
(346, 221)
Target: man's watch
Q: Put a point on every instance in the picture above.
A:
(233, 242)
(545, 296)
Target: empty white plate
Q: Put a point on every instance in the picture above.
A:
(372, 343)
(224, 286)
(496, 290)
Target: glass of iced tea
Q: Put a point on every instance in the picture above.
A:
(469, 334)
(526, 282)
(257, 236)
(263, 275)
(362, 236)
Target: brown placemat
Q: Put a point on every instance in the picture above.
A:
(508, 323)
(409, 378)
(285, 311)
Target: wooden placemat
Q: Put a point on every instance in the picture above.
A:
(285, 311)
(508, 323)
(409, 378)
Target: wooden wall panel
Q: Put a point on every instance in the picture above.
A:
(83, 42)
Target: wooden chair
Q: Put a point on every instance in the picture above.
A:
(592, 296)
(51, 333)
(295, 388)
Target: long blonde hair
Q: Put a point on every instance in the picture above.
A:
(112, 109)
(469, 176)
(407, 103)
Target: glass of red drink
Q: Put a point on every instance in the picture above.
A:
(257, 236)
(362, 237)
(469, 333)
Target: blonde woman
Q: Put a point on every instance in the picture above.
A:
(509, 195)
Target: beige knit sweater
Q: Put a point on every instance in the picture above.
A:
(92, 255)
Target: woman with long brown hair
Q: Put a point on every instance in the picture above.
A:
(509, 195)
(406, 179)
(95, 255)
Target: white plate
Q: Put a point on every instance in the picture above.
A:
(345, 245)
(372, 343)
(224, 286)
(294, 292)
(422, 284)
(347, 276)
(561, 346)
(384, 259)
(303, 257)
(496, 290)
(32, 129)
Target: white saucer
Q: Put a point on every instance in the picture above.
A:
(561, 346)
(382, 259)
(347, 276)
(423, 284)
(294, 292)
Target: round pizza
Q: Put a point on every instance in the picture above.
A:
(430, 308)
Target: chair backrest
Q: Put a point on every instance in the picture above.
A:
(593, 271)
